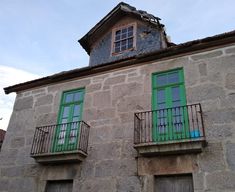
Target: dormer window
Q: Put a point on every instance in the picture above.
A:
(123, 38)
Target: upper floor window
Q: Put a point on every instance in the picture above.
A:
(123, 38)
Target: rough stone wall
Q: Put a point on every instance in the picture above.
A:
(110, 101)
(145, 42)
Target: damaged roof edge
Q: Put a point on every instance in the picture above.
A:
(121, 7)
(191, 46)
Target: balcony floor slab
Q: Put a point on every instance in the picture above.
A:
(60, 157)
(172, 147)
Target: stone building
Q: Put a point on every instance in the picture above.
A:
(146, 115)
(2, 135)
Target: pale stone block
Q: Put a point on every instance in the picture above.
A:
(219, 181)
(87, 101)
(230, 50)
(16, 171)
(21, 121)
(105, 151)
(206, 55)
(130, 184)
(106, 168)
(101, 135)
(126, 117)
(123, 90)
(17, 142)
(8, 156)
(202, 69)
(75, 84)
(134, 104)
(230, 81)
(23, 103)
(93, 87)
(97, 185)
(88, 169)
(102, 99)
(219, 116)
(46, 119)
(230, 155)
(126, 71)
(228, 101)
(43, 109)
(115, 80)
(99, 78)
(4, 184)
(204, 92)
(23, 156)
(212, 158)
(218, 132)
(98, 114)
(32, 170)
(128, 150)
(191, 74)
(198, 181)
(44, 100)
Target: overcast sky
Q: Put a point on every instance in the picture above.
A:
(39, 37)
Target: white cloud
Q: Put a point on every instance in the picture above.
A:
(10, 76)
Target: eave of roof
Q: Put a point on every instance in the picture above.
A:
(120, 10)
(184, 48)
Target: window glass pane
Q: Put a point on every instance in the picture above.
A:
(66, 112)
(161, 96)
(77, 96)
(130, 43)
(123, 45)
(69, 98)
(176, 103)
(161, 106)
(173, 77)
(64, 121)
(75, 119)
(117, 49)
(130, 31)
(72, 136)
(75, 124)
(117, 38)
(76, 110)
(124, 30)
(175, 93)
(124, 35)
(161, 80)
(118, 32)
(61, 137)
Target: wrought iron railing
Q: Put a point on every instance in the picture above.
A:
(170, 124)
(61, 138)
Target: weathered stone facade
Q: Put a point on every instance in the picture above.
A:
(111, 98)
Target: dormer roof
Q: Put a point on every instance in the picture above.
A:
(121, 10)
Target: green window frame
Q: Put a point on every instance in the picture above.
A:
(68, 122)
(168, 95)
